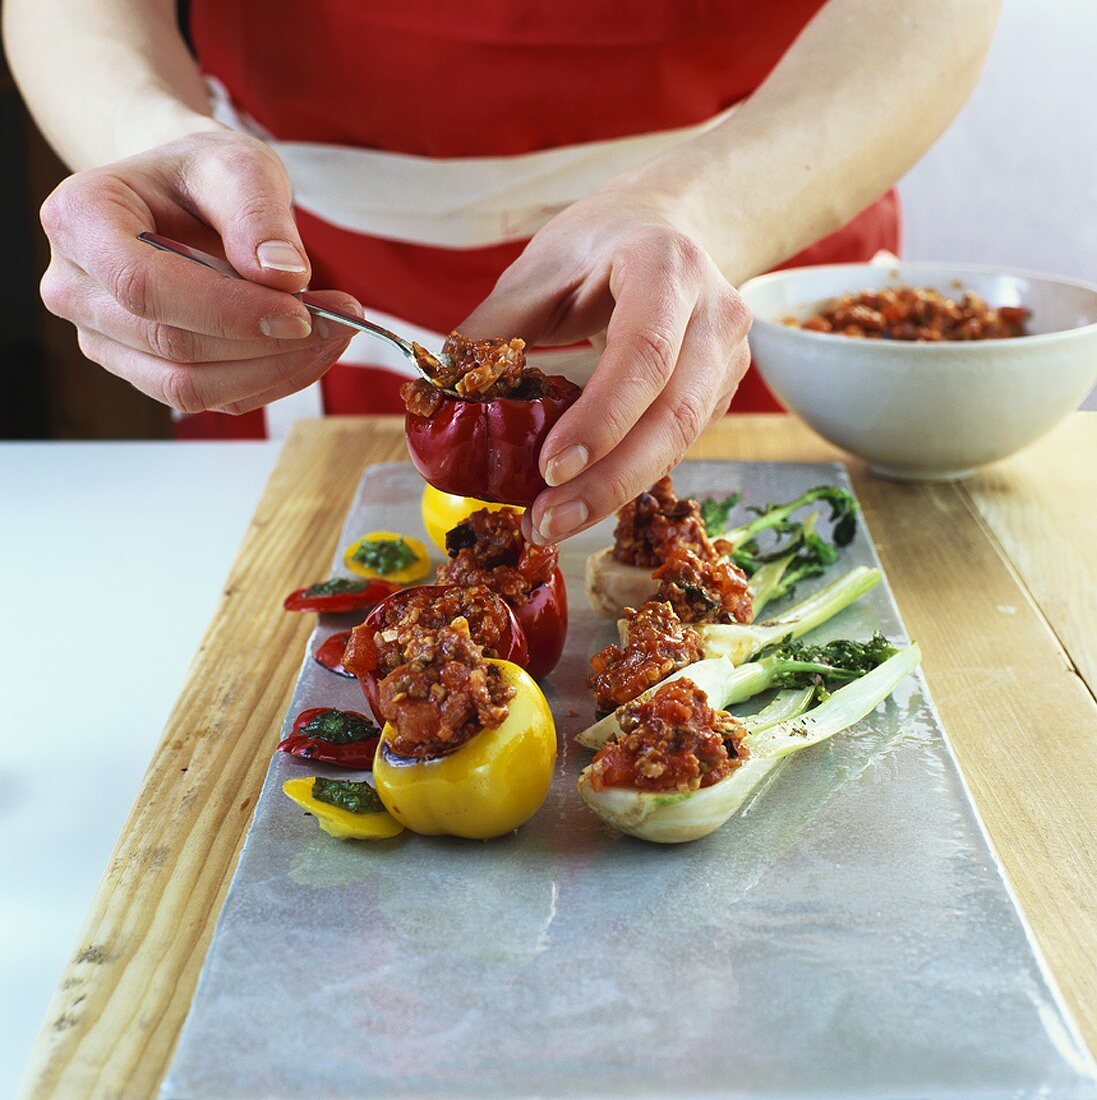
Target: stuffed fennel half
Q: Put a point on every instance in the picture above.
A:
(786, 663)
(760, 742)
(725, 646)
(739, 641)
(613, 584)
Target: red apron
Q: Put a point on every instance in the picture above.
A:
(437, 81)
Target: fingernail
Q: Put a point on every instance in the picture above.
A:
(562, 520)
(333, 330)
(569, 463)
(280, 256)
(286, 326)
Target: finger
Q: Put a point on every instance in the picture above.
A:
(201, 387)
(526, 301)
(654, 446)
(242, 190)
(740, 366)
(643, 342)
(93, 220)
(322, 363)
(72, 295)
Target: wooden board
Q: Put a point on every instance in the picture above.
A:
(1008, 654)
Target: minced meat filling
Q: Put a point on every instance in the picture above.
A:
(658, 644)
(917, 314)
(423, 611)
(478, 370)
(672, 742)
(487, 548)
(443, 695)
(656, 520)
(703, 590)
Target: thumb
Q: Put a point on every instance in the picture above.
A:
(241, 188)
(521, 304)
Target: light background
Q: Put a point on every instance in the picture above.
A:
(1013, 182)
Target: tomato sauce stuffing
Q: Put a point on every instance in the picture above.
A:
(443, 695)
(656, 520)
(672, 742)
(917, 314)
(488, 548)
(658, 644)
(422, 613)
(478, 370)
(701, 590)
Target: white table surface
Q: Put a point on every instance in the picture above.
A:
(112, 557)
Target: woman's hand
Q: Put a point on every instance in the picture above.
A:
(179, 333)
(675, 348)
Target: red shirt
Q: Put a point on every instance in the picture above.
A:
(483, 78)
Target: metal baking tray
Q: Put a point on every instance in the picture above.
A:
(848, 934)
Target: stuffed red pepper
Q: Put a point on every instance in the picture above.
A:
(484, 443)
(391, 630)
(488, 548)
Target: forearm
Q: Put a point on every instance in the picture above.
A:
(860, 96)
(104, 78)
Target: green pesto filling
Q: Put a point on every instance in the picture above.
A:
(337, 727)
(337, 586)
(385, 555)
(355, 798)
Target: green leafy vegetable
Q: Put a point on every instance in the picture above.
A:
(778, 573)
(800, 552)
(715, 513)
(777, 517)
(792, 664)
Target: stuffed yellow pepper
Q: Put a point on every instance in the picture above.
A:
(470, 745)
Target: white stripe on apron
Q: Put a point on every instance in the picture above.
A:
(452, 202)
(460, 202)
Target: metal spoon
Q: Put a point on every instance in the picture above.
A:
(223, 267)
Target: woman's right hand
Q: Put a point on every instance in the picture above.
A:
(180, 333)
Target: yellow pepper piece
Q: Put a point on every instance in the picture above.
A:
(408, 574)
(443, 511)
(335, 821)
(490, 786)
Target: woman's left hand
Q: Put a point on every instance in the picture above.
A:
(675, 348)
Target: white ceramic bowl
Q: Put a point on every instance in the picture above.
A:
(926, 411)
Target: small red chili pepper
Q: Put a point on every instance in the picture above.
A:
(342, 737)
(329, 654)
(361, 656)
(338, 594)
(488, 449)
